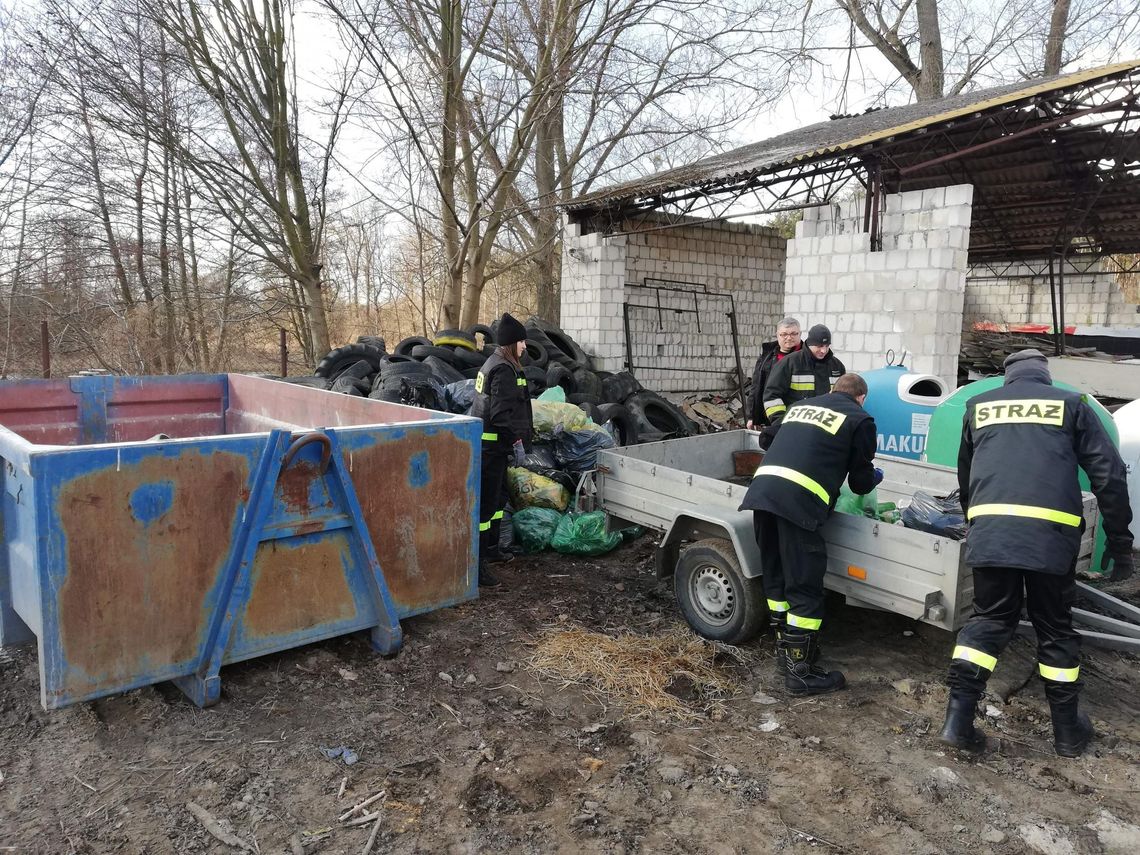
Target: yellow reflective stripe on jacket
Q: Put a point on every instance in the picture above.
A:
(520, 381)
(1031, 511)
(485, 526)
(772, 408)
(497, 515)
(778, 605)
(804, 622)
(1059, 675)
(803, 387)
(490, 437)
(976, 656)
(796, 478)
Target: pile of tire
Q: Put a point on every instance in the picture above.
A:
(418, 369)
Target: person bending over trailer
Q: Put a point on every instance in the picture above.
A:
(502, 401)
(1017, 475)
(821, 442)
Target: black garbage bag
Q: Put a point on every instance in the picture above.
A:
(941, 515)
(577, 450)
(423, 392)
(459, 396)
(540, 458)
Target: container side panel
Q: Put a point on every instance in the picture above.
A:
(141, 407)
(19, 586)
(141, 545)
(418, 491)
(45, 412)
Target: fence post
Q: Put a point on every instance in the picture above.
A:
(45, 348)
(284, 354)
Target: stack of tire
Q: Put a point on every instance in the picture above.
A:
(417, 366)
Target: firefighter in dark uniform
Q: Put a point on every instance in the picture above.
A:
(804, 374)
(502, 401)
(1017, 470)
(822, 442)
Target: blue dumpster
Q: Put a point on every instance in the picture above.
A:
(902, 403)
(157, 528)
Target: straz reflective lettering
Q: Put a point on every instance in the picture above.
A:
(1019, 413)
(820, 417)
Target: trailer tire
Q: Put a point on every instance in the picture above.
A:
(715, 597)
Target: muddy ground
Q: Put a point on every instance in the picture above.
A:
(494, 758)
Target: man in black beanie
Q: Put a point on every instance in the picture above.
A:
(1017, 472)
(502, 401)
(807, 373)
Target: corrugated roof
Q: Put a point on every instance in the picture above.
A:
(826, 139)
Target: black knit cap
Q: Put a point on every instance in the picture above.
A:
(510, 330)
(817, 335)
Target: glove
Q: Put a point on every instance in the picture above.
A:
(1122, 568)
(519, 452)
(878, 476)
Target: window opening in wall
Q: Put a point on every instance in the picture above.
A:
(689, 310)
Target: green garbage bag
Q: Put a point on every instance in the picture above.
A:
(534, 527)
(528, 489)
(859, 506)
(556, 394)
(548, 415)
(584, 534)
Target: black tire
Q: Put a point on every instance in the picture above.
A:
(602, 375)
(625, 425)
(714, 596)
(618, 388)
(469, 373)
(654, 413)
(444, 372)
(359, 370)
(588, 383)
(588, 408)
(536, 354)
(563, 343)
(535, 376)
(375, 340)
(310, 380)
(578, 398)
(423, 351)
(404, 348)
(395, 357)
(458, 338)
(467, 358)
(351, 386)
(381, 392)
(559, 375)
(404, 369)
(482, 330)
(553, 353)
(343, 357)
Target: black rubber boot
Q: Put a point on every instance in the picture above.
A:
(777, 622)
(1072, 730)
(487, 579)
(496, 556)
(801, 675)
(958, 730)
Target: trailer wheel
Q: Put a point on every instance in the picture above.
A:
(715, 597)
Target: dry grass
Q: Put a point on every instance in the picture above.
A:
(637, 671)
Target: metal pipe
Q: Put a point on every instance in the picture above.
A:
(284, 346)
(628, 340)
(736, 353)
(45, 348)
(1053, 300)
(1061, 298)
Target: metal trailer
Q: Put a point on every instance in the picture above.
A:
(157, 528)
(687, 490)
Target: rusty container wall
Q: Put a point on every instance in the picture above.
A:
(118, 550)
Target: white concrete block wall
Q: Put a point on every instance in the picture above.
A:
(907, 296)
(744, 260)
(1019, 294)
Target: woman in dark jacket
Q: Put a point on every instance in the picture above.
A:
(502, 401)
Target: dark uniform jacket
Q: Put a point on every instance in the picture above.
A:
(502, 401)
(1017, 470)
(798, 377)
(770, 355)
(820, 443)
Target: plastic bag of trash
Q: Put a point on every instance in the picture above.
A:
(540, 457)
(459, 396)
(534, 527)
(858, 506)
(577, 450)
(941, 515)
(423, 392)
(584, 534)
(549, 415)
(530, 490)
(506, 531)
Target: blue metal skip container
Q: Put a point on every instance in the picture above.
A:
(902, 403)
(156, 528)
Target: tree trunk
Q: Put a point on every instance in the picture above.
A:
(450, 52)
(931, 78)
(1055, 41)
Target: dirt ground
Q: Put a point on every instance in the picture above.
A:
(474, 752)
